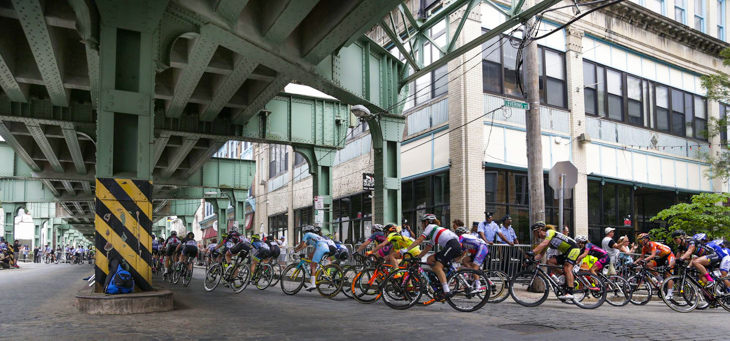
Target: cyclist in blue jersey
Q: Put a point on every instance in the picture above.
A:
(155, 248)
(320, 246)
(262, 251)
(475, 251)
(697, 245)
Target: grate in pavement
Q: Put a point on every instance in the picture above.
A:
(526, 328)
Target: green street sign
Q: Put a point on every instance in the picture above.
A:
(515, 104)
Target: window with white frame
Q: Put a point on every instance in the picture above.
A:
(679, 11)
(655, 5)
(721, 20)
(278, 159)
(699, 15)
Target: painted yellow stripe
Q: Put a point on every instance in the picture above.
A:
(119, 211)
(102, 262)
(134, 259)
(132, 190)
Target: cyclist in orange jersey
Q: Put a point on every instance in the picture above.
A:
(657, 254)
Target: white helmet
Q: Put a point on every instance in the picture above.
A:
(581, 239)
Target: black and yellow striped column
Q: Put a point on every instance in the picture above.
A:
(123, 218)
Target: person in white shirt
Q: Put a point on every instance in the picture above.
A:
(613, 248)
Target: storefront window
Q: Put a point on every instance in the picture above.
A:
(429, 194)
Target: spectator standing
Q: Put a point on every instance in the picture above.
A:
(25, 253)
(475, 229)
(613, 248)
(488, 229)
(16, 251)
(566, 231)
(35, 254)
(406, 231)
(507, 232)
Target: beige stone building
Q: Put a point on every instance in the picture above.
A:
(621, 98)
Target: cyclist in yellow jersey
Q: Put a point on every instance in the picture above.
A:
(399, 242)
(567, 248)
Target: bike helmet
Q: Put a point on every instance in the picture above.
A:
(233, 229)
(390, 228)
(255, 237)
(308, 228)
(173, 233)
(191, 235)
(377, 228)
(644, 236)
(538, 225)
(700, 236)
(678, 234)
(430, 217)
(461, 230)
(329, 236)
(581, 239)
(317, 229)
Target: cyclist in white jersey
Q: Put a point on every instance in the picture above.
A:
(451, 248)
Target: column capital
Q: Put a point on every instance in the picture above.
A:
(574, 40)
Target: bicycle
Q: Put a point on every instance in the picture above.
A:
(643, 284)
(262, 276)
(156, 265)
(182, 271)
(350, 271)
(276, 270)
(407, 285)
(329, 279)
(618, 289)
(530, 288)
(689, 292)
(235, 275)
(365, 287)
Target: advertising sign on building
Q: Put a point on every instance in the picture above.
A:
(368, 181)
(319, 203)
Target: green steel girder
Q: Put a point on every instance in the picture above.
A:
(279, 28)
(45, 48)
(72, 140)
(17, 92)
(228, 88)
(180, 155)
(18, 148)
(230, 10)
(48, 151)
(387, 131)
(186, 207)
(133, 15)
(87, 24)
(289, 118)
(23, 191)
(203, 48)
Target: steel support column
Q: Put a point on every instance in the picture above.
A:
(321, 164)
(10, 210)
(387, 131)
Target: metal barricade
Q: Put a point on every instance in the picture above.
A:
(506, 258)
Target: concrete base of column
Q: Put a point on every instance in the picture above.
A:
(124, 304)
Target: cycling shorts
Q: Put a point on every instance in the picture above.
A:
(155, 252)
(602, 262)
(479, 256)
(666, 260)
(52, 252)
(725, 264)
(170, 249)
(261, 254)
(342, 254)
(275, 251)
(570, 256)
(450, 251)
(714, 260)
(190, 251)
(320, 251)
(238, 248)
(384, 251)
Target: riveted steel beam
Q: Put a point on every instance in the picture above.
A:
(40, 138)
(280, 27)
(228, 88)
(72, 140)
(44, 48)
(47, 183)
(463, 20)
(355, 23)
(69, 187)
(178, 156)
(399, 45)
(87, 24)
(203, 157)
(230, 10)
(18, 148)
(199, 56)
(86, 186)
(78, 207)
(160, 143)
(16, 92)
(264, 97)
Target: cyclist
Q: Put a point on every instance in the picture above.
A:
(567, 257)
(320, 249)
(476, 249)
(709, 254)
(658, 254)
(397, 242)
(212, 251)
(342, 253)
(262, 251)
(330, 243)
(590, 249)
(169, 247)
(234, 243)
(274, 247)
(449, 241)
(189, 248)
(155, 249)
(377, 236)
(725, 263)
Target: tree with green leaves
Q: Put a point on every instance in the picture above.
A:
(718, 89)
(706, 213)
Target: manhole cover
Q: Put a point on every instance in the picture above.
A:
(524, 328)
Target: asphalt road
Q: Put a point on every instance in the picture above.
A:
(37, 302)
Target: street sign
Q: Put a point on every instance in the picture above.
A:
(319, 202)
(570, 173)
(318, 217)
(516, 104)
(368, 181)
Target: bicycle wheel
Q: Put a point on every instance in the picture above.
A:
(641, 290)
(176, 273)
(349, 274)
(618, 291)
(470, 290)
(188, 276)
(330, 279)
(276, 273)
(365, 286)
(589, 291)
(684, 297)
(265, 276)
(239, 282)
(430, 283)
(213, 277)
(721, 290)
(401, 289)
(529, 288)
(292, 279)
(498, 285)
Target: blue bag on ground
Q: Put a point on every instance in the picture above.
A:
(121, 283)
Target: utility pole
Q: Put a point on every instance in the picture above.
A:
(534, 137)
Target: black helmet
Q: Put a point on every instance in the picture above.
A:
(173, 233)
(678, 233)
